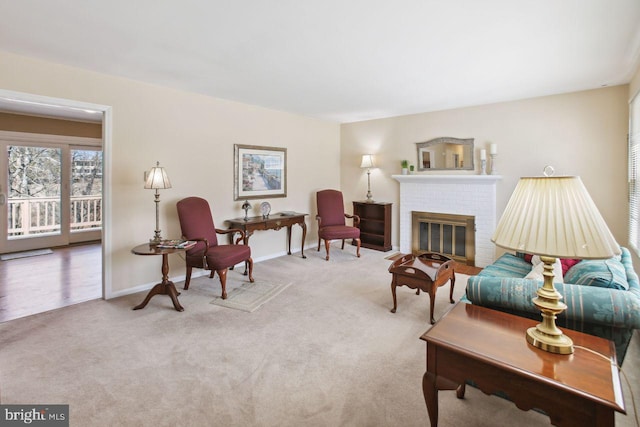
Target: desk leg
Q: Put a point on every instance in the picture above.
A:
(430, 391)
(289, 239)
(166, 287)
(245, 241)
(304, 236)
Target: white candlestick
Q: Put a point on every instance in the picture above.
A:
(483, 154)
(493, 149)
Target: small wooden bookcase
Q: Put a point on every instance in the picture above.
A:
(375, 224)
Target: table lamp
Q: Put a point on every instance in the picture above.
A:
(157, 179)
(553, 217)
(367, 162)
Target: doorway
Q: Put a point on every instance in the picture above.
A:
(51, 191)
(88, 219)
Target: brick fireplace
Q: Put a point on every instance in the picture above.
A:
(469, 195)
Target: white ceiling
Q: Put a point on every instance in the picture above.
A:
(342, 60)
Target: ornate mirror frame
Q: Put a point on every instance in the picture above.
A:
(446, 153)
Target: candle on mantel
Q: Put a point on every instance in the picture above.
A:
(483, 154)
(493, 149)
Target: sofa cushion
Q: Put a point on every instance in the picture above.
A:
(604, 273)
(507, 265)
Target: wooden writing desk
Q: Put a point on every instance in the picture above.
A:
(273, 222)
(489, 348)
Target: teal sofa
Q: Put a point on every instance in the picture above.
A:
(602, 296)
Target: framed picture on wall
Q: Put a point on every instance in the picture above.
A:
(259, 172)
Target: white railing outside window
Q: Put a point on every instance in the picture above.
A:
(41, 215)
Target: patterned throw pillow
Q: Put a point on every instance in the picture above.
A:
(604, 273)
(566, 263)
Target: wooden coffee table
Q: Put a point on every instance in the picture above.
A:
(489, 348)
(425, 272)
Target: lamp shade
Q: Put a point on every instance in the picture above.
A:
(157, 178)
(367, 161)
(556, 217)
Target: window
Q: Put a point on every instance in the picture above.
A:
(54, 190)
(634, 171)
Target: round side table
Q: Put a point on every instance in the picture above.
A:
(166, 287)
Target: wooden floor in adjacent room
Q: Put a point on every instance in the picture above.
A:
(45, 282)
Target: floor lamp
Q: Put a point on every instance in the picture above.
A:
(553, 217)
(367, 162)
(157, 179)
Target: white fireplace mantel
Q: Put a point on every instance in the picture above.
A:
(451, 194)
(434, 179)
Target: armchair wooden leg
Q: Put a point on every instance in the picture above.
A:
(250, 262)
(327, 243)
(187, 279)
(358, 248)
(319, 239)
(342, 245)
(223, 281)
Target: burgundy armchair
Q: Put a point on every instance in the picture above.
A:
(331, 220)
(196, 223)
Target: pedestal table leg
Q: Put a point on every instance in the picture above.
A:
(166, 287)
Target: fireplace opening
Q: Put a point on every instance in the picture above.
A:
(449, 234)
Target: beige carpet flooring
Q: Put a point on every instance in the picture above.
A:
(326, 351)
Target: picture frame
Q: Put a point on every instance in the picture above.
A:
(259, 172)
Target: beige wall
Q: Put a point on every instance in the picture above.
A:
(193, 137)
(583, 133)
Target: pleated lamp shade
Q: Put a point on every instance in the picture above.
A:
(157, 178)
(556, 217)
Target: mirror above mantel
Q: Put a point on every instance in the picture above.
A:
(445, 153)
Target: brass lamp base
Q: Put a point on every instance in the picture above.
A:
(546, 335)
(561, 344)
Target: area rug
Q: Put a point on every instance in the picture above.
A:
(250, 296)
(25, 254)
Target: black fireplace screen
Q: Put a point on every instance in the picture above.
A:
(447, 239)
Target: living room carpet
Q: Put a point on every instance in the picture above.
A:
(246, 296)
(325, 352)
